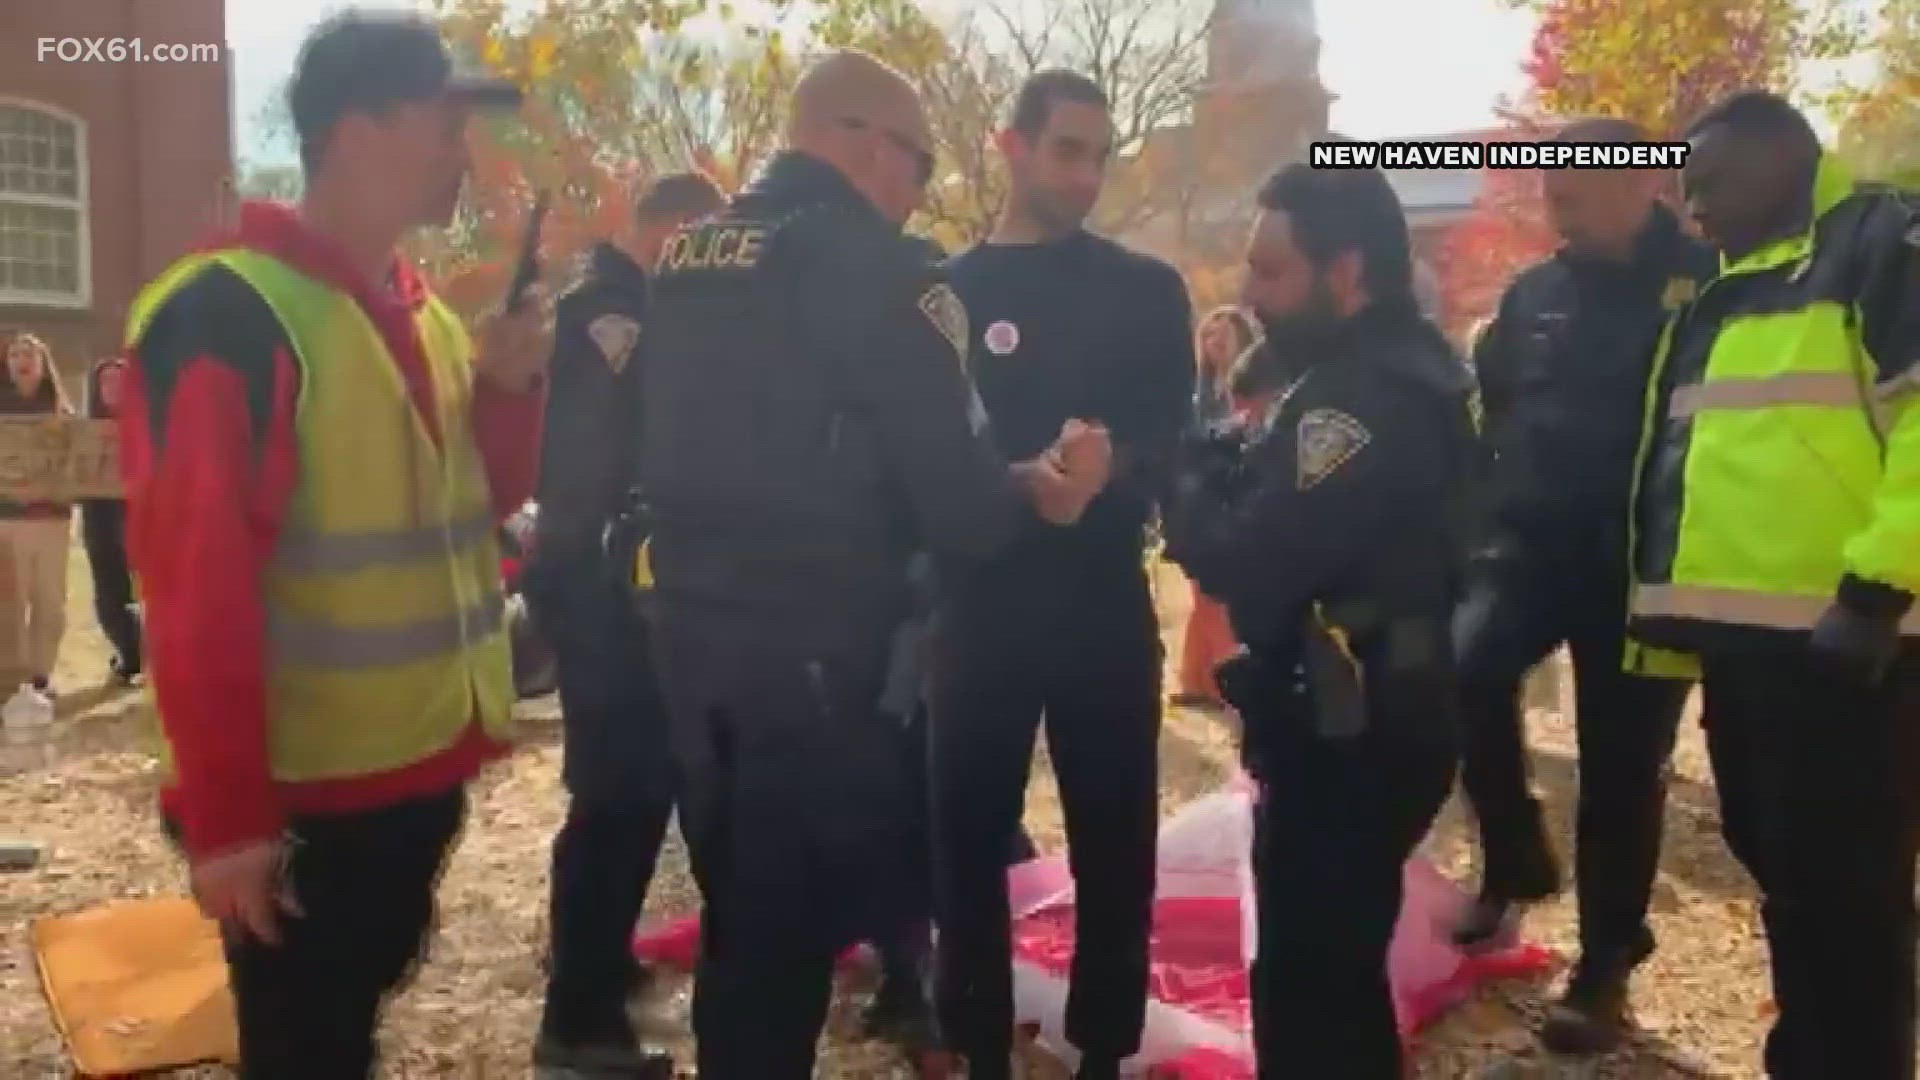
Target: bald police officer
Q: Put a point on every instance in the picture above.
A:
(615, 766)
(807, 426)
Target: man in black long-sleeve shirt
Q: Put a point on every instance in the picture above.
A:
(1065, 326)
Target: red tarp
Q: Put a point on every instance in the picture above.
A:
(1198, 1022)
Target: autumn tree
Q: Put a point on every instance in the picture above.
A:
(1506, 231)
(1880, 128)
(1662, 62)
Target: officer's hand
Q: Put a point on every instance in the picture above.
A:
(1058, 500)
(516, 346)
(245, 890)
(1853, 646)
(1085, 452)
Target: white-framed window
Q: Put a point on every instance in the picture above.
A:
(43, 206)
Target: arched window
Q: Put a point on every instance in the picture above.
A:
(43, 207)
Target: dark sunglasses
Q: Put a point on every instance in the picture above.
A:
(922, 159)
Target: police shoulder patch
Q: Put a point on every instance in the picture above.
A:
(615, 335)
(942, 307)
(1326, 439)
(1680, 292)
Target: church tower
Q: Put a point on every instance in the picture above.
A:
(1263, 100)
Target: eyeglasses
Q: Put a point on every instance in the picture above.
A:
(922, 159)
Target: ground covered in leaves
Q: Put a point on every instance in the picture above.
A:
(1702, 1000)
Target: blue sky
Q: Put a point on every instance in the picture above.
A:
(1399, 67)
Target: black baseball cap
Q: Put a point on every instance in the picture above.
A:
(367, 61)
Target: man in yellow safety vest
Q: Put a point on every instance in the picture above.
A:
(316, 458)
(1777, 539)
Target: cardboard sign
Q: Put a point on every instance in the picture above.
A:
(58, 459)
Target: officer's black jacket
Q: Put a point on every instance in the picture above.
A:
(587, 458)
(807, 422)
(1563, 372)
(1355, 492)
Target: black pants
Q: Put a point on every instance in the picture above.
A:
(309, 1007)
(103, 530)
(1819, 784)
(618, 773)
(796, 811)
(1334, 826)
(1513, 618)
(1096, 682)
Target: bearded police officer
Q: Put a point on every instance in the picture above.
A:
(1336, 543)
(1777, 528)
(806, 428)
(615, 767)
(1563, 369)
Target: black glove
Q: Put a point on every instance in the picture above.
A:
(1858, 636)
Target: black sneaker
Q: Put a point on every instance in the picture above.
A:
(900, 1017)
(1097, 1068)
(1487, 923)
(1591, 1017)
(554, 1060)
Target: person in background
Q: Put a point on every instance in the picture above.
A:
(616, 764)
(1563, 374)
(35, 535)
(317, 456)
(1066, 329)
(103, 530)
(1776, 535)
(1225, 335)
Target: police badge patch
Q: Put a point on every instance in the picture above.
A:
(943, 309)
(1680, 292)
(1326, 440)
(616, 336)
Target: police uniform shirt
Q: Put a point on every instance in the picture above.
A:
(1354, 487)
(592, 402)
(1081, 328)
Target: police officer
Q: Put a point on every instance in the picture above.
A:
(807, 426)
(615, 766)
(1336, 543)
(1778, 540)
(1563, 373)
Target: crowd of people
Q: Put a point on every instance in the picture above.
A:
(832, 526)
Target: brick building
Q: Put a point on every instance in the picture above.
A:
(107, 170)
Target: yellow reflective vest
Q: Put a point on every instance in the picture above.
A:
(384, 608)
(1781, 448)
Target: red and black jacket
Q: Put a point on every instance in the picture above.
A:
(210, 460)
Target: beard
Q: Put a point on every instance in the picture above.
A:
(1057, 213)
(1298, 339)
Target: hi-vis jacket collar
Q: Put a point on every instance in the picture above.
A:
(1832, 182)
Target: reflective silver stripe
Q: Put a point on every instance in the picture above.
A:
(1900, 385)
(1800, 388)
(313, 643)
(1740, 607)
(316, 552)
